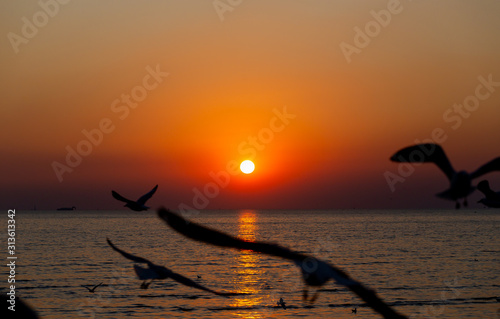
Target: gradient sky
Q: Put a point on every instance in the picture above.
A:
(230, 69)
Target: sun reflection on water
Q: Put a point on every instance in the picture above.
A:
(249, 275)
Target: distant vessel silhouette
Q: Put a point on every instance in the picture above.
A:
(67, 208)
(460, 182)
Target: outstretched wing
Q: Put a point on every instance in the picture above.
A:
(207, 235)
(142, 200)
(190, 283)
(120, 197)
(127, 255)
(425, 153)
(493, 165)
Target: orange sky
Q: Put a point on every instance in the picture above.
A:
(230, 70)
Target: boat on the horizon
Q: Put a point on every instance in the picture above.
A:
(67, 208)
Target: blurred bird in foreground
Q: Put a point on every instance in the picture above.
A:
(158, 272)
(315, 272)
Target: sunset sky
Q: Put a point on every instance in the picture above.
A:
(318, 93)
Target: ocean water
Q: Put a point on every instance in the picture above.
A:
(425, 264)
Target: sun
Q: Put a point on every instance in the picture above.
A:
(247, 166)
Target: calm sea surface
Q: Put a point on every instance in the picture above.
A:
(426, 264)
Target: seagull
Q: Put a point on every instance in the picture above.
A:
(355, 310)
(315, 272)
(145, 284)
(492, 199)
(158, 272)
(282, 303)
(137, 205)
(460, 182)
(93, 288)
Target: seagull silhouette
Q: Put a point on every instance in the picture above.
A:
(282, 303)
(158, 272)
(315, 272)
(93, 288)
(491, 199)
(145, 284)
(138, 205)
(460, 182)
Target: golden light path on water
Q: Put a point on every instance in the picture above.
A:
(249, 275)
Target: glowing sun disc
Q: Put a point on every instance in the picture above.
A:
(247, 166)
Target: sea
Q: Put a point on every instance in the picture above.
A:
(423, 263)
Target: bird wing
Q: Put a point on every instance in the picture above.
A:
(493, 165)
(214, 237)
(190, 283)
(97, 285)
(142, 200)
(120, 197)
(87, 288)
(129, 256)
(201, 233)
(424, 153)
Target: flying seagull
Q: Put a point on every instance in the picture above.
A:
(315, 272)
(138, 205)
(145, 284)
(158, 272)
(282, 303)
(460, 182)
(93, 288)
(491, 199)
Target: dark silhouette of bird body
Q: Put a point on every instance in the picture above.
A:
(282, 303)
(491, 199)
(159, 272)
(460, 182)
(314, 271)
(93, 288)
(138, 205)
